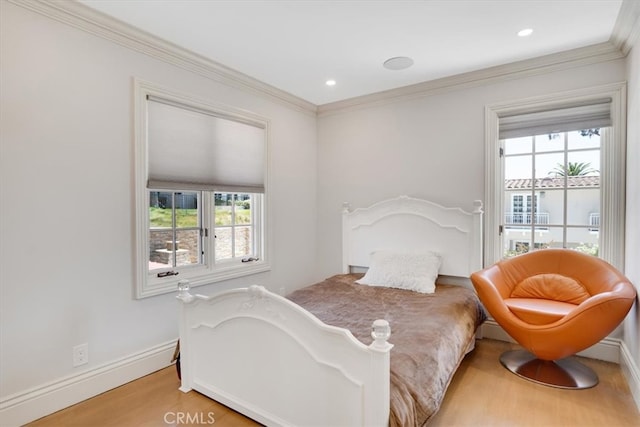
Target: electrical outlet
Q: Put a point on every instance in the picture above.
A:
(81, 354)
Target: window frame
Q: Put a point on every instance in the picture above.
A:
(561, 224)
(174, 230)
(613, 167)
(147, 284)
(234, 226)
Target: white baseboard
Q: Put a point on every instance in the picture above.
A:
(631, 371)
(24, 407)
(608, 349)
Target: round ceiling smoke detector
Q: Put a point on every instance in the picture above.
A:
(398, 63)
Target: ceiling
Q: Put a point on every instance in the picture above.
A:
(296, 46)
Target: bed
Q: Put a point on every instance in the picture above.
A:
(341, 353)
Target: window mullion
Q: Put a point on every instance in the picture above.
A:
(565, 190)
(201, 229)
(209, 225)
(233, 226)
(174, 233)
(533, 194)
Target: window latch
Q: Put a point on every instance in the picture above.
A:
(168, 273)
(249, 259)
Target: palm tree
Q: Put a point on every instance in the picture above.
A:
(573, 169)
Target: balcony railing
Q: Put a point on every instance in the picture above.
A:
(525, 218)
(594, 221)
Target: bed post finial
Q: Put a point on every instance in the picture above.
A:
(380, 332)
(183, 289)
(345, 207)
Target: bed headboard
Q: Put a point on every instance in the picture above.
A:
(414, 225)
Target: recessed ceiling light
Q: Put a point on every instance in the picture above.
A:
(524, 33)
(398, 63)
(330, 82)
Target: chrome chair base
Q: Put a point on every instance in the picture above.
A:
(565, 373)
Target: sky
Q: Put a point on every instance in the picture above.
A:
(518, 157)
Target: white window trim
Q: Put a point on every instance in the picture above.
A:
(612, 200)
(144, 284)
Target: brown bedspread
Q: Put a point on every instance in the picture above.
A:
(430, 334)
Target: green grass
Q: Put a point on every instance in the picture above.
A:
(159, 217)
(223, 216)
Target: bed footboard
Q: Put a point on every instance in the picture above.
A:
(270, 359)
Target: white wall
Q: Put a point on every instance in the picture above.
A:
(433, 147)
(632, 241)
(66, 199)
(66, 186)
(430, 146)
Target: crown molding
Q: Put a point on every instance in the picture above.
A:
(625, 35)
(99, 24)
(593, 54)
(626, 31)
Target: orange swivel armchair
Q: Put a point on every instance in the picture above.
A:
(555, 303)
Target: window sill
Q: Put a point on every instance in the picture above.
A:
(170, 284)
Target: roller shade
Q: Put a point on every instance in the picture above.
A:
(194, 149)
(563, 119)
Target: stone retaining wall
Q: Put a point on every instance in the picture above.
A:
(159, 244)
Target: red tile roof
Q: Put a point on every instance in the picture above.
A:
(572, 182)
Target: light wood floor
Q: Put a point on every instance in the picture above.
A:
(482, 393)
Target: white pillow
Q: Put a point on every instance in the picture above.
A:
(413, 271)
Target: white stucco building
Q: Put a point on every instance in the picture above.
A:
(546, 215)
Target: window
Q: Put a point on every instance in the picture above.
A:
(555, 174)
(521, 210)
(234, 226)
(179, 232)
(200, 191)
(552, 191)
(174, 230)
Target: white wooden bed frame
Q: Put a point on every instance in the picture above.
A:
(270, 359)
